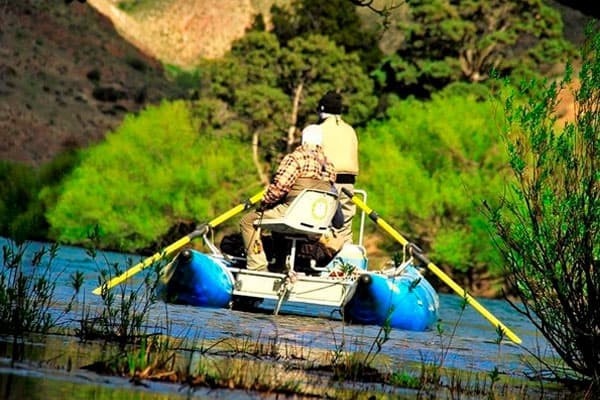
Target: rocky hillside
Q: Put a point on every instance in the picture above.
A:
(181, 32)
(70, 70)
(66, 78)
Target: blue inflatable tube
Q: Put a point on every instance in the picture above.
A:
(405, 302)
(199, 280)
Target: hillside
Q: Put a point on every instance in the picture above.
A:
(70, 71)
(180, 32)
(66, 78)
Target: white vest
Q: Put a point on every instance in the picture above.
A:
(340, 145)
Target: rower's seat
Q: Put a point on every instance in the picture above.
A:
(310, 213)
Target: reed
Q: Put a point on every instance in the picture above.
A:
(124, 310)
(27, 286)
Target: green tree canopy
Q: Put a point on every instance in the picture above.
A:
(336, 19)
(448, 41)
(155, 170)
(275, 89)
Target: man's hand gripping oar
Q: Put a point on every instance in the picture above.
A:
(167, 251)
(417, 253)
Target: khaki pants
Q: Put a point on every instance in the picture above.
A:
(255, 254)
(348, 209)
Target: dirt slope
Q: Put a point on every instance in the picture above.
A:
(181, 32)
(66, 78)
(70, 71)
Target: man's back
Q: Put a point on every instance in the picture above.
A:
(340, 145)
(305, 167)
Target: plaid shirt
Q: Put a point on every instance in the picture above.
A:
(307, 161)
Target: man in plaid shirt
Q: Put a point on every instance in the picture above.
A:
(305, 168)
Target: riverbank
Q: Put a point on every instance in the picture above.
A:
(50, 366)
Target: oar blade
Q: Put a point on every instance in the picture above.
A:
(433, 268)
(142, 265)
(167, 251)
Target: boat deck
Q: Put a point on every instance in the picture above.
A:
(328, 291)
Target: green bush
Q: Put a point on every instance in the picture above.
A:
(21, 209)
(547, 224)
(155, 170)
(427, 167)
(18, 185)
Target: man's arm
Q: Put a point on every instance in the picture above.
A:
(285, 177)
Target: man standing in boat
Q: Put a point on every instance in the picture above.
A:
(305, 168)
(340, 145)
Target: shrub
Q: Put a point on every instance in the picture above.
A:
(154, 171)
(548, 224)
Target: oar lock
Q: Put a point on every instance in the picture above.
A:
(365, 279)
(414, 249)
(201, 229)
(185, 256)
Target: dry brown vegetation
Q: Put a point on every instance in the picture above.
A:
(181, 32)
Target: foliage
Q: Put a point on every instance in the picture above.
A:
(185, 81)
(315, 62)
(450, 41)
(17, 191)
(336, 19)
(136, 6)
(21, 210)
(548, 224)
(260, 80)
(124, 315)
(156, 169)
(428, 165)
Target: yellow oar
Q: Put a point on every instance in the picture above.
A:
(201, 230)
(432, 267)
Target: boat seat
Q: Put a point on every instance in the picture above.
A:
(310, 213)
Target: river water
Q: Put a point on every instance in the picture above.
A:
(468, 341)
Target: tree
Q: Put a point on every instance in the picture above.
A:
(275, 89)
(317, 64)
(448, 41)
(336, 19)
(548, 226)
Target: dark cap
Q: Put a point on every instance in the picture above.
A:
(330, 103)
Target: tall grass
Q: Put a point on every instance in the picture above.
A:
(27, 286)
(123, 314)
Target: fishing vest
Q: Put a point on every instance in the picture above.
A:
(340, 145)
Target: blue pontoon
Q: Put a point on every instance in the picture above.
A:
(399, 295)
